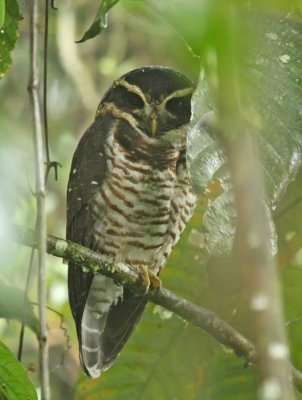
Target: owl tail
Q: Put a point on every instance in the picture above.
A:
(103, 293)
(107, 323)
(92, 327)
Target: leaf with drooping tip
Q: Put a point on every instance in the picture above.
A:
(100, 22)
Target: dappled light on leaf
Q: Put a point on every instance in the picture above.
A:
(273, 80)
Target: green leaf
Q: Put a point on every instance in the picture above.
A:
(11, 306)
(100, 22)
(289, 225)
(227, 378)
(2, 12)
(8, 33)
(14, 382)
(272, 78)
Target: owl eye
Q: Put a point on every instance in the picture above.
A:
(133, 100)
(179, 105)
(124, 98)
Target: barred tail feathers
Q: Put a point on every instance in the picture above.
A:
(103, 293)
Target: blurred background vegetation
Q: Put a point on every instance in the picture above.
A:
(165, 358)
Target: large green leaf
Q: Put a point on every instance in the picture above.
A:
(8, 32)
(14, 382)
(292, 283)
(288, 221)
(272, 80)
(228, 378)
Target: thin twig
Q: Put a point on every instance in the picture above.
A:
(52, 3)
(65, 333)
(45, 57)
(49, 164)
(204, 319)
(40, 195)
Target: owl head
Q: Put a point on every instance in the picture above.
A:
(157, 98)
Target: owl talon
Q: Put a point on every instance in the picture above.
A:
(149, 279)
(155, 282)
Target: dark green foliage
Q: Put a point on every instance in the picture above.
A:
(14, 382)
(228, 378)
(9, 23)
(2, 12)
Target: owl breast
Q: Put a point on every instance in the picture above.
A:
(142, 207)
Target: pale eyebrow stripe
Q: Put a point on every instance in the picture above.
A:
(137, 90)
(179, 93)
(132, 88)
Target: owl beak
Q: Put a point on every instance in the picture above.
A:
(153, 124)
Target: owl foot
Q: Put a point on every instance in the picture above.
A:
(155, 282)
(149, 279)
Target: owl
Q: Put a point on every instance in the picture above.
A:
(129, 198)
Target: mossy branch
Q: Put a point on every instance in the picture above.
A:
(202, 318)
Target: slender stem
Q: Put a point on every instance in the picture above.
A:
(33, 88)
(45, 83)
(253, 225)
(202, 318)
(49, 164)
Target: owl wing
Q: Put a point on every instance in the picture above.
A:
(88, 170)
